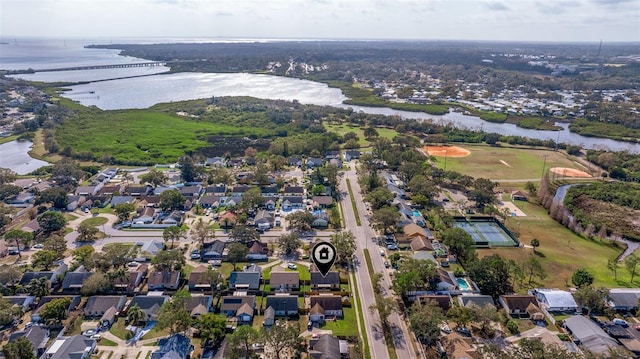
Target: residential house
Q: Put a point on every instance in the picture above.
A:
(239, 191)
(351, 155)
(75, 301)
(174, 218)
(24, 302)
(54, 276)
(624, 299)
(313, 162)
(228, 219)
(326, 346)
(138, 191)
(246, 280)
(150, 201)
(177, 346)
(421, 244)
(199, 305)
(335, 162)
(215, 162)
(197, 281)
(446, 282)
(441, 300)
(269, 191)
(149, 304)
(23, 199)
(330, 155)
(32, 226)
(212, 250)
(191, 191)
(322, 283)
(589, 335)
(217, 190)
(270, 205)
(294, 161)
(244, 314)
(97, 305)
(320, 220)
(131, 281)
(263, 220)
(521, 306)
(164, 280)
(109, 190)
(290, 203)
(457, 346)
(146, 216)
(478, 300)
(73, 281)
(269, 317)
(116, 200)
(284, 281)
(152, 247)
(230, 304)
(258, 251)
(36, 335)
(209, 201)
(325, 306)
(322, 201)
(284, 305)
(73, 202)
(415, 231)
(518, 196)
(293, 191)
(87, 190)
(73, 347)
(554, 300)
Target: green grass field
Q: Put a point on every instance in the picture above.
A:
(561, 251)
(341, 129)
(519, 163)
(95, 221)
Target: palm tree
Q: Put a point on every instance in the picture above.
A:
(135, 314)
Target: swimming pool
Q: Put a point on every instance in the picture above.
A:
(462, 284)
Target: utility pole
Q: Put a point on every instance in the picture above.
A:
(544, 163)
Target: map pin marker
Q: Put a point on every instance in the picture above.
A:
(323, 256)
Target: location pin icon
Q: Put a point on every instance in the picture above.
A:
(323, 256)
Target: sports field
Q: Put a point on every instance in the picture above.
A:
(486, 233)
(505, 163)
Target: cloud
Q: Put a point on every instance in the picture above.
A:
(611, 2)
(559, 7)
(223, 13)
(497, 6)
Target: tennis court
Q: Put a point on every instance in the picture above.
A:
(487, 232)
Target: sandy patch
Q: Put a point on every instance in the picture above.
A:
(570, 172)
(447, 151)
(504, 163)
(512, 208)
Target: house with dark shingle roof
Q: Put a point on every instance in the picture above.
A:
(73, 347)
(322, 283)
(36, 335)
(97, 305)
(75, 301)
(230, 304)
(269, 317)
(73, 280)
(326, 346)
(150, 304)
(442, 301)
(284, 305)
(479, 300)
(244, 280)
(624, 299)
(292, 202)
(163, 280)
(284, 281)
(330, 305)
(521, 306)
(177, 346)
(198, 305)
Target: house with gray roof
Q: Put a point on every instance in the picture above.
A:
(25, 302)
(624, 299)
(284, 281)
(230, 304)
(177, 346)
(246, 280)
(555, 300)
(150, 304)
(327, 346)
(36, 335)
(73, 280)
(73, 347)
(322, 283)
(479, 300)
(589, 335)
(284, 305)
(97, 305)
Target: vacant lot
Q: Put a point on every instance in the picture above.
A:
(500, 163)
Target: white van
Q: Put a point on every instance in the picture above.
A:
(621, 322)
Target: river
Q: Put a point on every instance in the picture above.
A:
(142, 92)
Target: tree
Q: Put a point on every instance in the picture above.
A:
(38, 287)
(421, 185)
(534, 268)
(370, 132)
(202, 232)
(171, 199)
(461, 315)
(188, 169)
(385, 219)
(8, 191)
(168, 260)
(300, 221)
(174, 314)
(174, 233)
(56, 310)
(114, 255)
(425, 320)
(345, 243)
(84, 256)
(289, 243)
(7, 175)
(236, 252)
(20, 238)
(87, 232)
(413, 274)
(379, 197)
(283, 339)
(67, 173)
(581, 277)
(531, 188)
(154, 177)
(6, 213)
(241, 341)
(135, 315)
(244, 234)
(8, 312)
(57, 244)
(56, 196)
(612, 265)
(385, 306)
(631, 263)
(51, 221)
(97, 283)
(535, 243)
(44, 259)
(482, 192)
(211, 327)
(253, 198)
(484, 316)
(591, 298)
(123, 210)
(492, 275)
(459, 243)
(20, 348)
(9, 275)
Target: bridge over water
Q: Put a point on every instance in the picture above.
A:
(98, 67)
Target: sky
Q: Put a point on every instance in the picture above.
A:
(502, 20)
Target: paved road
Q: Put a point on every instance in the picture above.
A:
(364, 234)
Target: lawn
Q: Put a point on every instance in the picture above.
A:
(107, 342)
(118, 329)
(95, 221)
(341, 129)
(519, 163)
(561, 251)
(346, 327)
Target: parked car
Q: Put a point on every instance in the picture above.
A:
(464, 331)
(386, 264)
(38, 246)
(292, 266)
(621, 322)
(392, 247)
(89, 333)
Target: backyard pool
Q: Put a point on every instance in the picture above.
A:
(462, 284)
